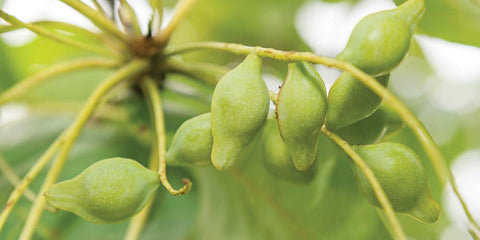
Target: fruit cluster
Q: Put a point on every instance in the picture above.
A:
(116, 189)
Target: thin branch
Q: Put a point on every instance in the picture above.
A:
(97, 18)
(61, 68)
(372, 179)
(181, 11)
(61, 39)
(155, 105)
(63, 26)
(423, 136)
(71, 134)
(12, 177)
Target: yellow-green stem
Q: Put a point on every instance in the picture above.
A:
(12, 177)
(425, 139)
(155, 106)
(377, 188)
(53, 24)
(97, 18)
(138, 222)
(28, 178)
(181, 10)
(65, 67)
(71, 134)
(59, 38)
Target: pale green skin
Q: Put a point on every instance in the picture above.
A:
(277, 159)
(239, 110)
(384, 122)
(379, 41)
(350, 101)
(402, 176)
(301, 108)
(108, 191)
(192, 143)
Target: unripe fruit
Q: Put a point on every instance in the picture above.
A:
(350, 101)
(108, 191)
(301, 108)
(192, 143)
(402, 176)
(277, 159)
(239, 109)
(380, 40)
(384, 122)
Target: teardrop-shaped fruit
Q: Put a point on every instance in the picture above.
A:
(192, 143)
(301, 108)
(239, 109)
(380, 40)
(350, 101)
(277, 159)
(108, 191)
(402, 176)
(381, 124)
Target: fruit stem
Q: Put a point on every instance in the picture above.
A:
(181, 11)
(71, 134)
(97, 18)
(29, 177)
(428, 144)
(155, 106)
(372, 179)
(59, 38)
(13, 178)
(65, 67)
(138, 222)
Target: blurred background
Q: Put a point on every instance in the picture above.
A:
(439, 81)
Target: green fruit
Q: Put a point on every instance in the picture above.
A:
(301, 108)
(277, 159)
(239, 109)
(403, 178)
(384, 122)
(380, 40)
(192, 143)
(350, 101)
(108, 191)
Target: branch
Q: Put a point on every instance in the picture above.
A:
(65, 67)
(71, 134)
(181, 10)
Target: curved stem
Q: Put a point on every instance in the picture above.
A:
(181, 10)
(54, 24)
(155, 105)
(97, 18)
(13, 178)
(29, 177)
(372, 179)
(428, 144)
(71, 134)
(138, 222)
(61, 39)
(65, 67)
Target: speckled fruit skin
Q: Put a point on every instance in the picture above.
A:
(239, 110)
(350, 101)
(301, 108)
(192, 143)
(108, 191)
(402, 176)
(379, 41)
(276, 157)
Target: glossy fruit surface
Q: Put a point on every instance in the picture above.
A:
(239, 110)
(350, 101)
(192, 143)
(402, 176)
(108, 191)
(301, 108)
(379, 41)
